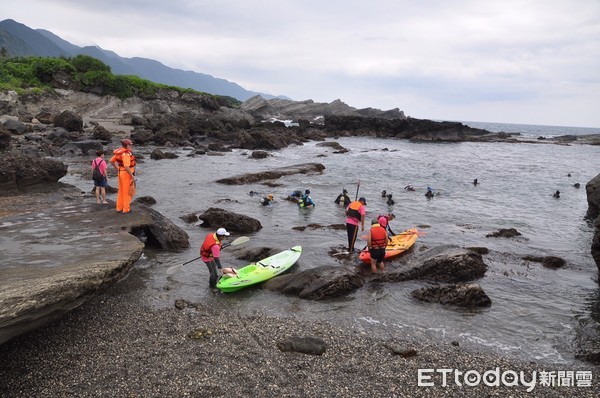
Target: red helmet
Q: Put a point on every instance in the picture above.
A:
(126, 142)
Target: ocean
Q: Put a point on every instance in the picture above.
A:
(536, 312)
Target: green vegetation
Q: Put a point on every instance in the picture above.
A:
(83, 73)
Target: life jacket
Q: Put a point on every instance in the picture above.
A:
(208, 243)
(352, 210)
(378, 236)
(119, 152)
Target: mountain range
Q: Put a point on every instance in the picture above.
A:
(21, 41)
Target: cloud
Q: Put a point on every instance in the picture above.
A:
(464, 60)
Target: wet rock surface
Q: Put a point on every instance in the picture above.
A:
(273, 174)
(468, 295)
(59, 249)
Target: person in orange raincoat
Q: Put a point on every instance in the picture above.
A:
(124, 162)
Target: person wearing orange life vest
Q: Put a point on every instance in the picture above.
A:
(210, 251)
(377, 242)
(355, 213)
(124, 162)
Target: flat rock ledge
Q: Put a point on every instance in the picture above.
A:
(58, 250)
(248, 178)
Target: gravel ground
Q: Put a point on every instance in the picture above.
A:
(117, 345)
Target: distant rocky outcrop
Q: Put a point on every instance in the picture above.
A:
(285, 109)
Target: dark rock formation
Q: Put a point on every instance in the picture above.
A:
(4, 138)
(443, 264)
(241, 179)
(304, 344)
(287, 109)
(232, 222)
(504, 233)
(548, 261)
(15, 127)
(145, 200)
(24, 173)
(463, 295)
(334, 145)
(158, 154)
(259, 154)
(409, 128)
(70, 121)
(317, 283)
(161, 232)
(592, 189)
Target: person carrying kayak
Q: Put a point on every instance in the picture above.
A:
(210, 251)
(355, 213)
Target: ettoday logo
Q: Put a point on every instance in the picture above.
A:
(510, 378)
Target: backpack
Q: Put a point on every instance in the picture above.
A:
(96, 174)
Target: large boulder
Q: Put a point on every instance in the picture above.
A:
(233, 222)
(318, 283)
(22, 173)
(469, 295)
(70, 121)
(162, 232)
(448, 264)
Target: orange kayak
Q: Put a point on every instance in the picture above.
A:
(397, 244)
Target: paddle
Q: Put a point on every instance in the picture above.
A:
(357, 188)
(238, 241)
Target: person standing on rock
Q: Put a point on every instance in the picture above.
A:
(124, 162)
(100, 177)
(355, 213)
(210, 251)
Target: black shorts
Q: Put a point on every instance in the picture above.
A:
(377, 254)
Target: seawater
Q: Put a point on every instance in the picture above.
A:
(535, 312)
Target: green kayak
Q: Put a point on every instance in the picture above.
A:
(260, 271)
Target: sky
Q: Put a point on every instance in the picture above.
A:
(510, 61)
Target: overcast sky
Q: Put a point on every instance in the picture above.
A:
(511, 61)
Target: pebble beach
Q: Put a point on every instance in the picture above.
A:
(119, 345)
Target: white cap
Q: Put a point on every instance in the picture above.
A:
(222, 232)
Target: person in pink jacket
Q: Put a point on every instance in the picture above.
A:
(100, 177)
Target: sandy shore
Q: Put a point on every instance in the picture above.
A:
(117, 345)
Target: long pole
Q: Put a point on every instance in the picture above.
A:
(357, 188)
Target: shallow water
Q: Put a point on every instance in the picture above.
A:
(535, 311)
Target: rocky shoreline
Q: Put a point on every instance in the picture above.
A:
(118, 345)
(200, 349)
